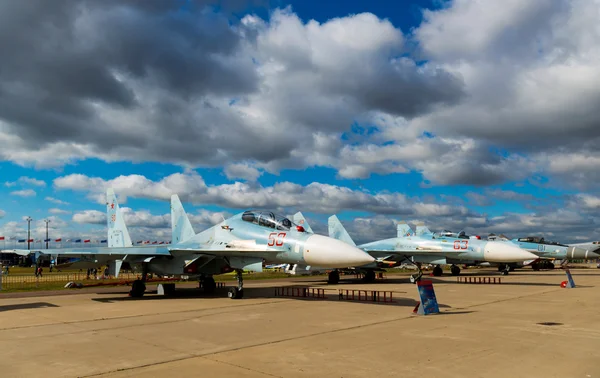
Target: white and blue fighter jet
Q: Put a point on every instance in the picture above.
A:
(243, 242)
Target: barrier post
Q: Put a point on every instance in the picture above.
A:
(428, 304)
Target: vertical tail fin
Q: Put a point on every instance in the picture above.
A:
(404, 230)
(337, 231)
(301, 221)
(181, 227)
(421, 229)
(118, 236)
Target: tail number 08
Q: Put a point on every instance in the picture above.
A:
(461, 244)
(276, 239)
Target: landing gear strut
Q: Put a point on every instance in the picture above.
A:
(414, 278)
(454, 270)
(237, 292)
(506, 270)
(138, 287)
(334, 277)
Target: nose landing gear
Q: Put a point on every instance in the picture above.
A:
(237, 292)
(334, 277)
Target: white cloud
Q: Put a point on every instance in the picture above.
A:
(2, 213)
(56, 201)
(90, 217)
(31, 181)
(24, 193)
(24, 180)
(242, 171)
(58, 211)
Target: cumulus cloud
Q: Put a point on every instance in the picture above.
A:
(242, 171)
(316, 197)
(56, 201)
(90, 217)
(57, 211)
(254, 93)
(24, 193)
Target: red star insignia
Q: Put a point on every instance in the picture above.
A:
(112, 205)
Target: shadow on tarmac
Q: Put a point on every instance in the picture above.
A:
(331, 295)
(25, 306)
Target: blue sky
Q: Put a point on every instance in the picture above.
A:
(364, 109)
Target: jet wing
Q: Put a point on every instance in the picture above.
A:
(232, 248)
(89, 251)
(390, 255)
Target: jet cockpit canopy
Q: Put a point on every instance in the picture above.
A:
(450, 234)
(270, 219)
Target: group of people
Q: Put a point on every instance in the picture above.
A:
(94, 272)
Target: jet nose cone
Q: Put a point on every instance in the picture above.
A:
(506, 252)
(325, 252)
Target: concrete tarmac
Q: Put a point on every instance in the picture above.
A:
(483, 330)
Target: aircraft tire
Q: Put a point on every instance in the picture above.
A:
(369, 276)
(235, 293)
(137, 289)
(505, 272)
(333, 278)
(437, 271)
(455, 270)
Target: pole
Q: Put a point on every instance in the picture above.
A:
(28, 231)
(47, 221)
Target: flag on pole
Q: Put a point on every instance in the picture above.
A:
(86, 241)
(77, 241)
(102, 241)
(1, 237)
(140, 242)
(58, 240)
(46, 240)
(21, 240)
(30, 240)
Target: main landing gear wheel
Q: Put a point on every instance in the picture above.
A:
(454, 270)
(237, 292)
(369, 276)
(437, 271)
(333, 278)
(137, 289)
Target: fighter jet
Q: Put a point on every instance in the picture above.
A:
(429, 248)
(548, 250)
(242, 242)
